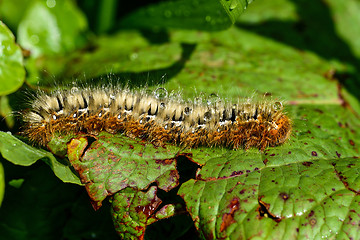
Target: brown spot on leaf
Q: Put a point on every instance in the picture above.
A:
(311, 213)
(236, 173)
(228, 218)
(313, 153)
(338, 154)
(131, 146)
(265, 161)
(307, 164)
(149, 208)
(312, 222)
(164, 161)
(284, 196)
(352, 143)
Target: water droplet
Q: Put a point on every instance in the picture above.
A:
(51, 3)
(187, 110)
(207, 116)
(278, 106)
(119, 116)
(160, 93)
(74, 89)
(247, 108)
(133, 56)
(233, 5)
(213, 99)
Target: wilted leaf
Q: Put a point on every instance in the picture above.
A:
(134, 210)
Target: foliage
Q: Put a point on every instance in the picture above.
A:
(305, 54)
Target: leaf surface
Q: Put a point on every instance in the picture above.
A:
(113, 163)
(20, 153)
(12, 71)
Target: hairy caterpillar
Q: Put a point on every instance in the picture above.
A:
(157, 118)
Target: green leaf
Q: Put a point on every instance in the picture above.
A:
(234, 8)
(305, 188)
(52, 27)
(112, 163)
(185, 14)
(133, 210)
(2, 183)
(19, 153)
(12, 72)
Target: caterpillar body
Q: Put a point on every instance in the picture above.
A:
(157, 118)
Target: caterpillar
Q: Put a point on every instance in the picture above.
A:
(157, 118)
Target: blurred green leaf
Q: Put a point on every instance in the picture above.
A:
(183, 14)
(19, 153)
(12, 11)
(6, 111)
(52, 28)
(2, 183)
(12, 72)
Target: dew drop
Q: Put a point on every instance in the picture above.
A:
(51, 3)
(74, 89)
(233, 5)
(133, 56)
(74, 116)
(207, 116)
(160, 93)
(212, 99)
(54, 117)
(187, 110)
(119, 116)
(278, 106)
